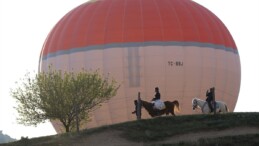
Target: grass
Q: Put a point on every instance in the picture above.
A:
(240, 140)
(161, 128)
(158, 129)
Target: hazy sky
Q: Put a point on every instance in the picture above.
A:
(25, 24)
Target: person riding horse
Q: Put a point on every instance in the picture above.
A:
(155, 99)
(157, 95)
(209, 99)
(156, 102)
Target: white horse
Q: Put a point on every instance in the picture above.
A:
(221, 107)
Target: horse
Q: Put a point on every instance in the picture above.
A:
(221, 107)
(170, 107)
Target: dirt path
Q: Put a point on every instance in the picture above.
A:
(112, 138)
(211, 134)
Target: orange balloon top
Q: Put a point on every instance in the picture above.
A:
(108, 22)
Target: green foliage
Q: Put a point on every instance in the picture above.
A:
(63, 96)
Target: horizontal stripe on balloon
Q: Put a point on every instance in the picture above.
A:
(137, 44)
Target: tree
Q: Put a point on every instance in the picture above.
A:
(64, 96)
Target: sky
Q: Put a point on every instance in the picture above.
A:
(25, 24)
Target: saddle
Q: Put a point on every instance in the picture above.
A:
(158, 105)
(212, 106)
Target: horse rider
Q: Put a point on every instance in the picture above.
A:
(209, 99)
(157, 97)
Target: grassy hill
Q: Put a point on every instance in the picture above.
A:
(237, 129)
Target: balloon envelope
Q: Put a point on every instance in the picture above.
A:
(176, 45)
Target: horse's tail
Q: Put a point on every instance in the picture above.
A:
(226, 108)
(177, 106)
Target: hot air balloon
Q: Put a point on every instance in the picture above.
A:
(176, 45)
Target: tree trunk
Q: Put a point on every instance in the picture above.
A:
(77, 120)
(67, 128)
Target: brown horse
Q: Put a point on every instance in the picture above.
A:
(171, 107)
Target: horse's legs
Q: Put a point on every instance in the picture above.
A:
(167, 113)
(172, 111)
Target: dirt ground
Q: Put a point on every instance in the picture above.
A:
(112, 138)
